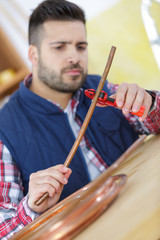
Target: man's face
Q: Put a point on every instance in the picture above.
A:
(63, 57)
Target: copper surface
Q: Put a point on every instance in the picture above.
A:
(73, 214)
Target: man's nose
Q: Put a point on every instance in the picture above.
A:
(73, 57)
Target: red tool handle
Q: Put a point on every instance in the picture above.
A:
(105, 100)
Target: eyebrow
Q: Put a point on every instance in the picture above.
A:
(67, 42)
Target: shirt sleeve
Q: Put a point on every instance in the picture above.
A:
(14, 210)
(151, 124)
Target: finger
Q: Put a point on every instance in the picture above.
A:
(48, 188)
(130, 98)
(50, 181)
(139, 99)
(113, 96)
(60, 168)
(121, 94)
(67, 174)
(57, 175)
(49, 176)
(67, 171)
(35, 192)
(147, 104)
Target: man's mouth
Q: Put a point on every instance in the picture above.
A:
(73, 71)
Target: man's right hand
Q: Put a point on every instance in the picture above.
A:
(50, 180)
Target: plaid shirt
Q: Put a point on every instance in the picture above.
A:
(14, 210)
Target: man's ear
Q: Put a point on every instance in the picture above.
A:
(33, 54)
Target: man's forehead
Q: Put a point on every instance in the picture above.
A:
(67, 31)
(61, 25)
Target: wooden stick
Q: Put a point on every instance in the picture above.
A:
(87, 118)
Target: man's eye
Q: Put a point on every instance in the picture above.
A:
(59, 47)
(81, 48)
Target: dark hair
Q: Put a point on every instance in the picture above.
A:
(60, 10)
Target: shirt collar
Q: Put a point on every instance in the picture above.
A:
(73, 103)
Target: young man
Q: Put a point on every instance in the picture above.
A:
(39, 124)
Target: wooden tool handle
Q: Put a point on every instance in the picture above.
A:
(87, 118)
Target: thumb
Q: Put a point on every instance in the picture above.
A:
(113, 96)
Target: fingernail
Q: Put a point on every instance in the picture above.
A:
(65, 168)
(65, 180)
(125, 110)
(119, 103)
(135, 109)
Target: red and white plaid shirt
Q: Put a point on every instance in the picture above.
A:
(14, 210)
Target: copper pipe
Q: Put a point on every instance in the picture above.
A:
(91, 109)
(70, 216)
(87, 118)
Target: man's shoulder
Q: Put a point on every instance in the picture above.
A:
(11, 100)
(10, 108)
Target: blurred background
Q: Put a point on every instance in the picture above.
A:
(132, 26)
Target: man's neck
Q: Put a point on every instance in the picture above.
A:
(52, 95)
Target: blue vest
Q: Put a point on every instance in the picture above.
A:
(38, 134)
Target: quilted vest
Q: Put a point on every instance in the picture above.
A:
(38, 134)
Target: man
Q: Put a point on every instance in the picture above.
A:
(41, 121)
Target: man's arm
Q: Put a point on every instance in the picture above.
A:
(151, 124)
(14, 210)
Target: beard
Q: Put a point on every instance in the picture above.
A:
(57, 81)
